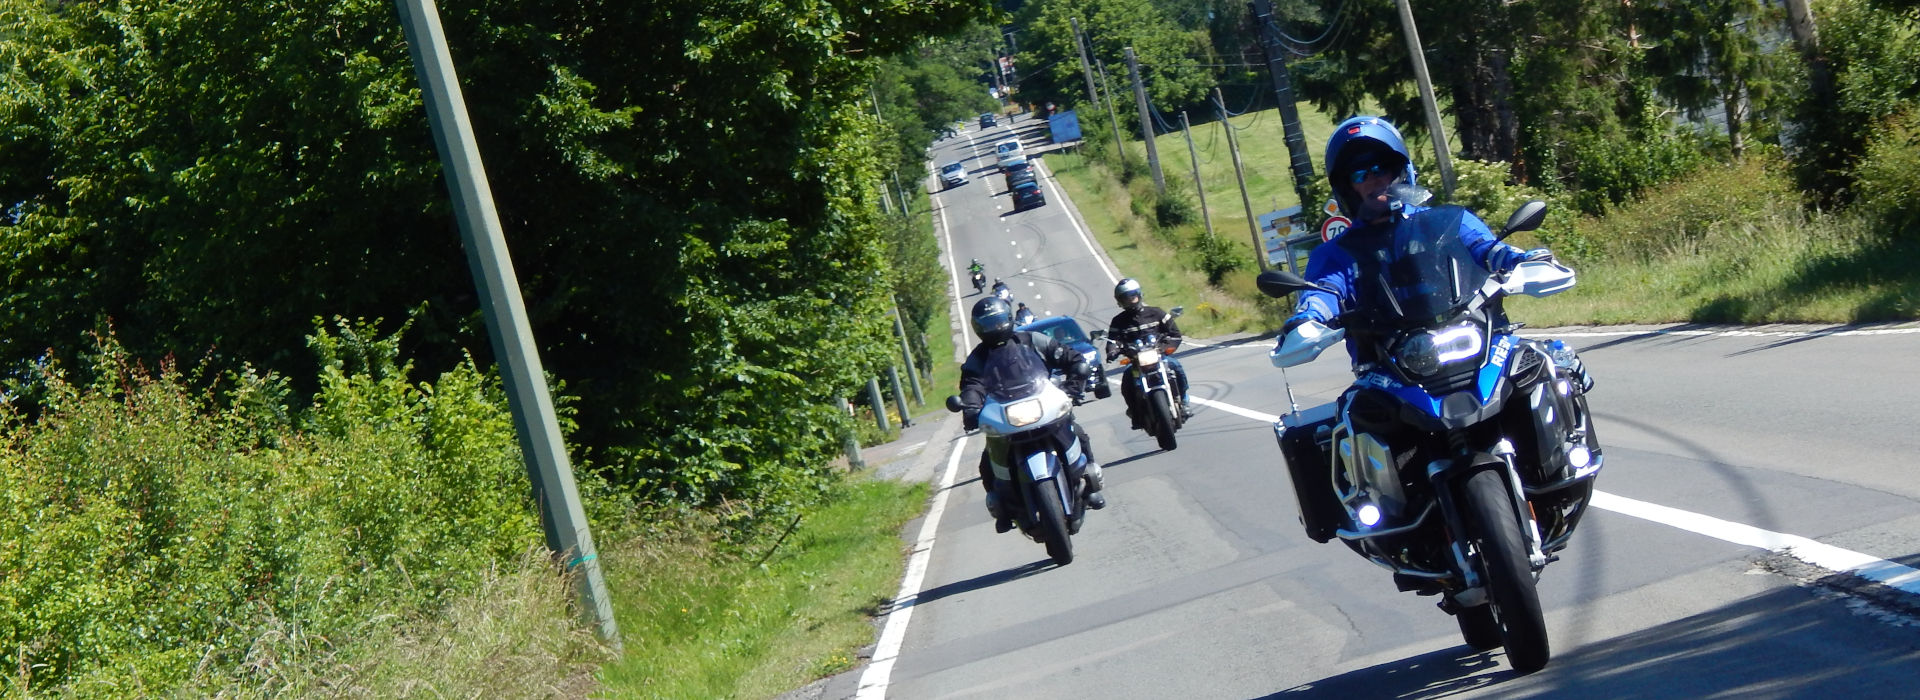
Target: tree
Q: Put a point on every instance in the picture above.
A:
(1172, 60)
(1705, 53)
(693, 215)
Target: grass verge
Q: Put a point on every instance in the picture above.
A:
(702, 620)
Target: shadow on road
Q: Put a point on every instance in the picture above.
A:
(1786, 642)
(973, 584)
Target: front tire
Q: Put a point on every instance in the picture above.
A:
(1053, 523)
(1163, 421)
(1503, 559)
(1478, 627)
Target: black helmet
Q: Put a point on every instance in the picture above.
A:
(1127, 293)
(993, 319)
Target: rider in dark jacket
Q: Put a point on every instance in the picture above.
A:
(993, 320)
(1136, 319)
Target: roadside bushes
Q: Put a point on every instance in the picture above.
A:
(157, 534)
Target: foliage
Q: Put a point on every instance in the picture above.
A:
(1872, 50)
(1888, 178)
(158, 537)
(1709, 54)
(1169, 55)
(692, 216)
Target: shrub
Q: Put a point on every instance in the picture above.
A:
(159, 532)
(1887, 180)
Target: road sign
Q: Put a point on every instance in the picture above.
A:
(1334, 226)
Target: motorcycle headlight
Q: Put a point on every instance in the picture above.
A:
(1148, 358)
(1423, 353)
(1024, 413)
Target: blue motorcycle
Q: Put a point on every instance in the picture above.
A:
(1463, 456)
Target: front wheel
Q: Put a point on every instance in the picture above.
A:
(1053, 523)
(1478, 627)
(1503, 559)
(1163, 420)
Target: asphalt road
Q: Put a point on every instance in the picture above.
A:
(1725, 447)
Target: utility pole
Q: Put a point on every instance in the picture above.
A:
(1442, 158)
(1107, 88)
(1240, 173)
(528, 397)
(1193, 156)
(1146, 125)
(879, 405)
(1298, 158)
(1080, 43)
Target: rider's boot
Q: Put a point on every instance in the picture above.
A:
(1096, 483)
(1001, 523)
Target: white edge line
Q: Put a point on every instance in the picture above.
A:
(873, 681)
(1825, 556)
(1073, 217)
(953, 272)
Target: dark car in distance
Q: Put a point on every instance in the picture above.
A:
(1017, 174)
(1027, 195)
(987, 121)
(1066, 331)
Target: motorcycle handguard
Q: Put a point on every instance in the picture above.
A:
(1304, 343)
(1539, 278)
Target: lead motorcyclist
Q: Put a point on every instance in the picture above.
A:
(1374, 181)
(1136, 319)
(992, 320)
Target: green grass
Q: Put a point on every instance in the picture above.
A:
(702, 621)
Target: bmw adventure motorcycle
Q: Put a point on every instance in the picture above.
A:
(1463, 456)
(1039, 466)
(1159, 412)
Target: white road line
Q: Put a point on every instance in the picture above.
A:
(954, 272)
(873, 681)
(1112, 276)
(1811, 551)
(1735, 333)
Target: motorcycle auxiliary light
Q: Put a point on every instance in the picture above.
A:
(1024, 413)
(1368, 513)
(1148, 358)
(1423, 353)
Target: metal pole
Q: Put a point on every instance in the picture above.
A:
(1080, 44)
(1112, 116)
(1444, 160)
(1193, 157)
(541, 445)
(879, 405)
(906, 356)
(1240, 173)
(1146, 127)
(899, 397)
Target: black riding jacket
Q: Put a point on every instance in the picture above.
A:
(1134, 323)
(973, 392)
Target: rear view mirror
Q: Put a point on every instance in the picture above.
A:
(1279, 283)
(1097, 335)
(1178, 310)
(954, 405)
(1527, 218)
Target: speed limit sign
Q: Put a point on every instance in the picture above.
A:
(1334, 226)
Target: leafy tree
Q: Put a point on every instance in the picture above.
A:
(688, 192)
(1705, 53)
(1172, 60)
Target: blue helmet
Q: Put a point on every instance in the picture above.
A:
(1358, 143)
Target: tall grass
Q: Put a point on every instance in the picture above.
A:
(706, 620)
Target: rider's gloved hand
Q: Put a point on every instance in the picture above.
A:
(970, 419)
(1506, 257)
(1298, 320)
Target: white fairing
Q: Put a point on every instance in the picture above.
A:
(1054, 404)
(1539, 278)
(1304, 343)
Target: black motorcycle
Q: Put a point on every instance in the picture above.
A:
(1154, 383)
(1463, 456)
(1039, 466)
(979, 281)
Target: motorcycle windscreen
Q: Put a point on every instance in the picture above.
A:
(1420, 273)
(1013, 371)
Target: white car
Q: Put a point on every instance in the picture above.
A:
(953, 174)
(1008, 150)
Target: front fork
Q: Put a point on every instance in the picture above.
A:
(1446, 474)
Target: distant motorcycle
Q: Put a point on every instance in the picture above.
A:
(979, 281)
(1159, 412)
(1464, 455)
(1038, 463)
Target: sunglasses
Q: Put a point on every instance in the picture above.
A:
(1367, 172)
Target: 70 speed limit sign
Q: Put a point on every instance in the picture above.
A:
(1334, 226)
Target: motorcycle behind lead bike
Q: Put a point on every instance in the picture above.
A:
(1463, 456)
